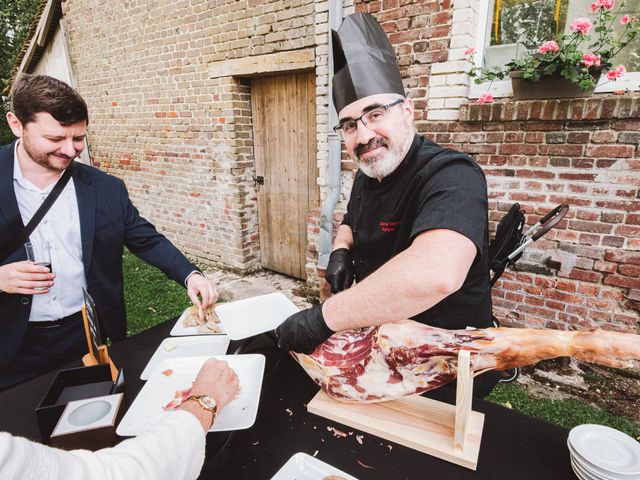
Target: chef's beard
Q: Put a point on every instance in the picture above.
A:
(384, 163)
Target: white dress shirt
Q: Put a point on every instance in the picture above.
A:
(60, 227)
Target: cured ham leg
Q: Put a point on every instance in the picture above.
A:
(396, 359)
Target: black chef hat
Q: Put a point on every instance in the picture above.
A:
(364, 62)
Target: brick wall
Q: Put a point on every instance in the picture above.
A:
(180, 139)
(586, 272)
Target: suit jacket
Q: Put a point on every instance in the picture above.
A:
(108, 222)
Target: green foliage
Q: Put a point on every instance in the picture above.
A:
(15, 20)
(567, 413)
(150, 297)
(568, 60)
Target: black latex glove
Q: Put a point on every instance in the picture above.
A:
(303, 331)
(340, 270)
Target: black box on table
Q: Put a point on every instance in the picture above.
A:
(74, 384)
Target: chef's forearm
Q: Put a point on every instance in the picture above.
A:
(413, 281)
(344, 238)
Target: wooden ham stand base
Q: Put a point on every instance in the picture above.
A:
(452, 433)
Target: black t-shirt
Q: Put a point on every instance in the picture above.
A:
(433, 188)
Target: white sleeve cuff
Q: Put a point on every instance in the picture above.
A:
(189, 276)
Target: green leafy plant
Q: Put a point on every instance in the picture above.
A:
(567, 56)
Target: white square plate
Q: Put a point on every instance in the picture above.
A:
(305, 467)
(186, 347)
(180, 330)
(146, 410)
(255, 315)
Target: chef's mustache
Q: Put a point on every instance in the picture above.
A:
(371, 145)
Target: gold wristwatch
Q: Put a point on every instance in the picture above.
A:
(206, 402)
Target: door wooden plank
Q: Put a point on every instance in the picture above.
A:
(285, 153)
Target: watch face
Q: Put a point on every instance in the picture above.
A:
(208, 402)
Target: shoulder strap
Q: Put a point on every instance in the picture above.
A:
(40, 213)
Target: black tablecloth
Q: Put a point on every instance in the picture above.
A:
(513, 446)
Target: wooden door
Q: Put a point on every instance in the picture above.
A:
(284, 128)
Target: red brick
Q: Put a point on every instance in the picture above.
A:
(576, 310)
(518, 149)
(590, 290)
(619, 281)
(555, 305)
(620, 256)
(534, 174)
(562, 150)
(602, 316)
(609, 241)
(534, 137)
(588, 239)
(612, 151)
(605, 267)
(590, 226)
(629, 270)
(610, 217)
(604, 136)
(628, 231)
(586, 215)
(578, 137)
(631, 206)
(633, 219)
(585, 275)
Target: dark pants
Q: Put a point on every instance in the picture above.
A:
(46, 346)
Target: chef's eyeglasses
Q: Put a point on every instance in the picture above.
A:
(369, 119)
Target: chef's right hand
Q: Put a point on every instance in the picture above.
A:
(25, 278)
(340, 271)
(303, 331)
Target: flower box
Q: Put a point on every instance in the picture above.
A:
(552, 86)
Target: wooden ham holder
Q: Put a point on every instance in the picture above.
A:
(98, 353)
(450, 432)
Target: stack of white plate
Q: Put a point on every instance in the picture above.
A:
(603, 453)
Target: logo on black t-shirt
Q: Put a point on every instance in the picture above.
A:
(389, 226)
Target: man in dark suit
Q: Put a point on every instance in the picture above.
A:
(85, 231)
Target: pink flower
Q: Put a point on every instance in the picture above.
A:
(470, 51)
(608, 4)
(625, 19)
(582, 25)
(589, 60)
(616, 73)
(549, 46)
(484, 98)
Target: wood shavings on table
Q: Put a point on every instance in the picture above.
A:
(364, 465)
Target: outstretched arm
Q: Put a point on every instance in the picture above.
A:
(432, 268)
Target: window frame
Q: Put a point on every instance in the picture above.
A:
(502, 88)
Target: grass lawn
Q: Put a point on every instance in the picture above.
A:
(567, 413)
(152, 298)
